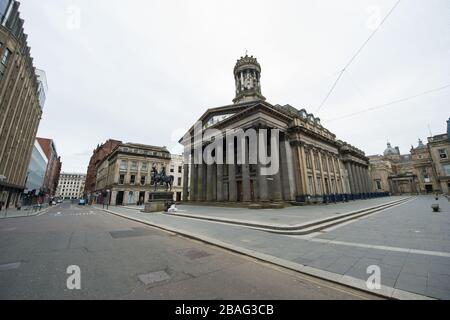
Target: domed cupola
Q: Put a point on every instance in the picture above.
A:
(247, 75)
(390, 151)
(421, 145)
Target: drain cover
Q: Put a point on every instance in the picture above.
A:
(153, 277)
(194, 253)
(135, 232)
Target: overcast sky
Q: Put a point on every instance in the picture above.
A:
(144, 71)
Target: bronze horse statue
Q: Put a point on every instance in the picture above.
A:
(162, 179)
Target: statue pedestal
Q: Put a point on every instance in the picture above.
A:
(158, 202)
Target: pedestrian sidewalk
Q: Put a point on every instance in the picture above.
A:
(289, 218)
(285, 251)
(27, 211)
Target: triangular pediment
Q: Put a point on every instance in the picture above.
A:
(220, 117)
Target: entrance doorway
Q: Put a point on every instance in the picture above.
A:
(178, 196)
(252, 190)
(429, 188)
(141, 197)
(240, 196)
(119, 198)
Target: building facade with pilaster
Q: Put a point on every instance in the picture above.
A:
(425, 170)
(313, 165)
(124, 176)
(21, 103)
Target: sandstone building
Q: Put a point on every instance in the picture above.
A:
(439, 147)
(99, 154)
(22, 95)
(124, 176)
(71, 185)
(426, 169)
(314, 165)
(176, 167)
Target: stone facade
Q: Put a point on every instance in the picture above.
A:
(124, 177)
(439, 147)
(71, 185)
(426, 169)
(20, 108)
(176, 169)
(98, 155)
(314, 166)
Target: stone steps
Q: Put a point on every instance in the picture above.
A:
(300, 229)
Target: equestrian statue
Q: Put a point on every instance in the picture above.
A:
(162, 179)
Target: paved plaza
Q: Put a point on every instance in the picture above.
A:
(409, 242)
(122, 259)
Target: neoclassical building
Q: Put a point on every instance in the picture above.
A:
(124, 176)
(314, 166)
(426, 169)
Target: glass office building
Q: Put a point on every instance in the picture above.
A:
(36, 170)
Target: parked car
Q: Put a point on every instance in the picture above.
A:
(59, 201)
(82, 202)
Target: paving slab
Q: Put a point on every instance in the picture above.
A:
(338, 262)
(278, 218)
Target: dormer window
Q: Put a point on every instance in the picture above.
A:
(303, 114)
(317, 121)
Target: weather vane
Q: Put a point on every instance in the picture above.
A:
(246, 52)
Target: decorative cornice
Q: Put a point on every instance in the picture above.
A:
(246, 61)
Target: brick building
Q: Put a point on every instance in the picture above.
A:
(54, 164)
(99, 154)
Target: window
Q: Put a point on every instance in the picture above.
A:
(144, 166)
(5, 57)
(319, 185)
(311, 184)
(121, 179)
(132, 179)
(378, 182)
(172, 170)
(308, 161)
(446, 169)
(4, 60)
(316, 161)
(325, 163)
(134, 166)
(443, 153)
(142, 180)
(123, 165)
(179, 181)
(180, 168)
